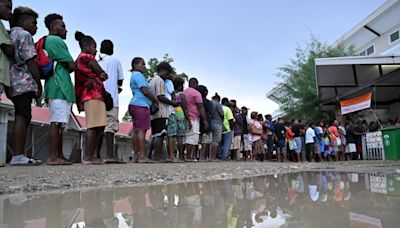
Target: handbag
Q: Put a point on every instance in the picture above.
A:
(254, 130)
(108, 100)
(154, 108)
(292, 145)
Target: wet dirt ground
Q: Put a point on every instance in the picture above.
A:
(50, 178)
(321, 198)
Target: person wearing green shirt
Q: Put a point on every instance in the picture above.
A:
(58, 89)
(6, 47)
(227, 134)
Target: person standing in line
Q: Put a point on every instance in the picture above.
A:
(246, 144)
(227, 134)
(290, 141)
(318, 141)
(139, 109)
(270, 136)
(351, 149)
(257, 149)
(172, 126)
(58, 89)
(25, 80)
(6, 47)
(335, 137)
(206, 134)
(298, 129)
(310, 135)
(181, 115)
(237, 131)
(113, 68)
(280, 132)
(159, 120)
(89, 90)
(196, 113)
(216, 125)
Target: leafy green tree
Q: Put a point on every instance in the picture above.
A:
(300, 98)
(151, 69)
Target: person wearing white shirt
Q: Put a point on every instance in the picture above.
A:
(112, 66)
(310, 135)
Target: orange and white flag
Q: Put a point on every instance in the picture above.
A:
(356, 104)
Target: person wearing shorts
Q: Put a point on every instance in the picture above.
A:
(159, 120)
(280, 132)
(58, 89)
(112, 66)
(172, 127)
(181, 116)
(139, 108)
(196, 112)
(216, 125)
(24, 80)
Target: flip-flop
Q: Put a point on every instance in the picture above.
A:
(31, 162)
(145, 161)
(113, 161)
(60, 163)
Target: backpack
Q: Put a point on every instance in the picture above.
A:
(44, 63)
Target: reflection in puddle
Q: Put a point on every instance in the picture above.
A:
(309, 199)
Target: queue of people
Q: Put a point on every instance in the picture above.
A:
(194, 127)
(22, 70)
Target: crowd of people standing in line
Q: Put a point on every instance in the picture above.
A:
(21, 74)
(203, 129)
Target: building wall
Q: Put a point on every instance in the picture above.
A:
(381, 43)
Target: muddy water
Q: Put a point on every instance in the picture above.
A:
(309, 199)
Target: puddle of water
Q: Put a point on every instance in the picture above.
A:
(308, 199)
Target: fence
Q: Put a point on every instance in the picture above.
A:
(372, 145)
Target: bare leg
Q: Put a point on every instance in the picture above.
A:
(284, 155)
(90, 144)
(181, 148)
(140, 141)
(109, 136)
(158, 148)
(54, 141)
(214, 148)
(190, 151)
(134, 145)
(20, 127)
(278, 154)
(99, 140)
(171, 152)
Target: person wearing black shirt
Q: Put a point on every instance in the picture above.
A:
(280, 132)
(246, 144)
(298, 130)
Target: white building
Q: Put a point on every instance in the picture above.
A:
(376, 68)
(378, 34)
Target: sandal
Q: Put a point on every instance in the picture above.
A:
(113, 161)
(60, 162)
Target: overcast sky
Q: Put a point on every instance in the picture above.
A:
(234, 47)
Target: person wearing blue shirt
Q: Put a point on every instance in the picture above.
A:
(139, 108)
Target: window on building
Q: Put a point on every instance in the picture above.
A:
(369, 51)
(394, 37)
